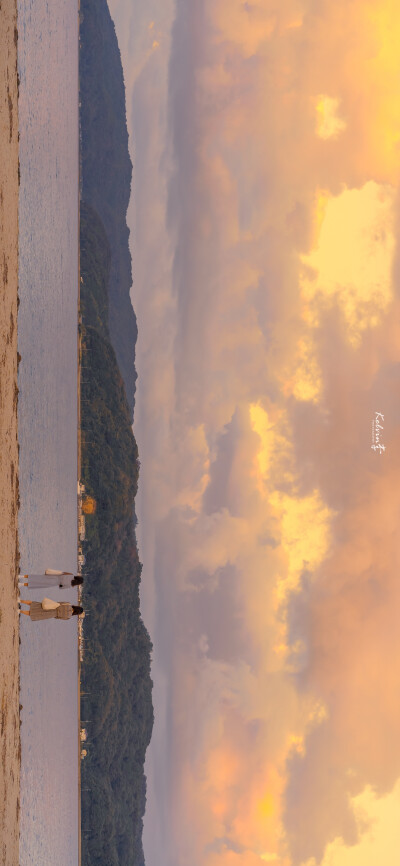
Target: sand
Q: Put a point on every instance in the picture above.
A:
(9, 623)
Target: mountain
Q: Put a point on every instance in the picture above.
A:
(115, 676)
(106, 169)
(116, 686)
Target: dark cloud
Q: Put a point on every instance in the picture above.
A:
(218, 493)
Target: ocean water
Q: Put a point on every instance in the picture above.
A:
(47, 337)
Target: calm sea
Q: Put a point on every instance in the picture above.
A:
(47, 336)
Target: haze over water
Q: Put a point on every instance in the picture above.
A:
(47, 337)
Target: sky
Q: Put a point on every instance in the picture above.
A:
(265, 139)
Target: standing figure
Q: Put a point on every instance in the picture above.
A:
(51, 578)
(49, 609)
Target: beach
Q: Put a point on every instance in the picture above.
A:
(9, 498)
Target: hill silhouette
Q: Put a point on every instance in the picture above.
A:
(116, 684)
(106, 169)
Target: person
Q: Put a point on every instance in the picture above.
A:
(51, 610)
(51, 578)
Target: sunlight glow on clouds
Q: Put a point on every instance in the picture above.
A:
(305, 536)
(379, 832)
(353, 260)
(329, 123)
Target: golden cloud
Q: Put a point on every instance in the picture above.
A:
(329, 123)
(352, 263)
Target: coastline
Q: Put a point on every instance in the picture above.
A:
(79, 473)
(9, 495)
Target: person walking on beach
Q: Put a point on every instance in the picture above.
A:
(51, 578)
(49, 609)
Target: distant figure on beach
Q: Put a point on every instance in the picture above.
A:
(49, 609)
(51, 578)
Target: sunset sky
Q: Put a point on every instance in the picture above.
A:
(265, 138)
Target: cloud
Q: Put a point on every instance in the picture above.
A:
(266, 292)
(361, 224)
(377, 824)
(329, 123)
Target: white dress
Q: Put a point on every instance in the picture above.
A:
(51, 578)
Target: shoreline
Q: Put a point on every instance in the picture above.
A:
(9, 484)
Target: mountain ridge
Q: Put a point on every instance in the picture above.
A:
(106, 169)
(116, 670)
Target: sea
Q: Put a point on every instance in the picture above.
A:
(47, 417)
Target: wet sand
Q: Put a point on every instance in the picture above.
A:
(9, 622)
